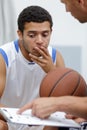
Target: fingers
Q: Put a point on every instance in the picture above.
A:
(27, 106)
(39, 114)
(76, 119)
(40, 61)
(69, 116)
(36, 59)
(42, 51)
(79, 120)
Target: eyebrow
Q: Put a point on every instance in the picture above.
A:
(45, 31)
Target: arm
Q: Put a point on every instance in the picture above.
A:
(2, 75)
(43, 107)
(3, 123)
(76, 106)
(2, 78)
(59, 60)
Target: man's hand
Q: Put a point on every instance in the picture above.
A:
(45, 61)
(41, 107)
(76, 119)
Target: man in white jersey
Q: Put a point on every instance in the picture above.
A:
(25, 61)
(76, 106)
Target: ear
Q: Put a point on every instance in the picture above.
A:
(20, 35)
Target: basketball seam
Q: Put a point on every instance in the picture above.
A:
(57, 82)
(76, 86)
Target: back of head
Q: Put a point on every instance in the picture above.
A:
(33, 14)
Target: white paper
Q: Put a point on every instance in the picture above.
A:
(56, 119)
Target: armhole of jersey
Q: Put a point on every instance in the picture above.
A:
(16, 45)
(53, 54)
(2, 52)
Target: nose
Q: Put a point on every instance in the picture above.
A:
(39, 39)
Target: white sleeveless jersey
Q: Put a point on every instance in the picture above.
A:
(23, 79)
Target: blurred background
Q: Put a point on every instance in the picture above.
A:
(68, 36)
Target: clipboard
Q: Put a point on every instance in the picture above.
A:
(56, 119)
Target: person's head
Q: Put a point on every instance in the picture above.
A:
(34, 27)
(78, 9)
(35, 14)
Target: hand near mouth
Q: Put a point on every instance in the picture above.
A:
(44, 59)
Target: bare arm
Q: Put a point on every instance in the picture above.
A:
(2, 75)
(3, 123)
(43, 107)
(59, 60)
(2, 78)
(76, 106)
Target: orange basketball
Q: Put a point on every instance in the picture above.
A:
(63, 81)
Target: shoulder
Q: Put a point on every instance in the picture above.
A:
(8, 52)
(59, 59)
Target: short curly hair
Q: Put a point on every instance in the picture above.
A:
(33, 14)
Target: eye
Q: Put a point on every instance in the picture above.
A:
(46, 34)
(31, 35)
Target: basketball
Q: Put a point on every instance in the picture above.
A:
(61, 82)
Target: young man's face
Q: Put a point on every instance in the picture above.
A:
(76, 8)
(35, 35)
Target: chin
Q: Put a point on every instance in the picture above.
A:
(82, 21)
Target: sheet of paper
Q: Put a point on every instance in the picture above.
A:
(56, 119)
